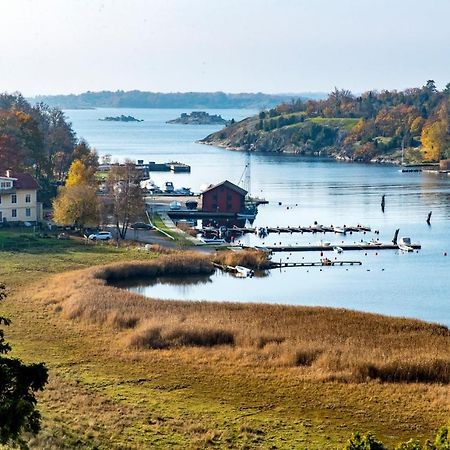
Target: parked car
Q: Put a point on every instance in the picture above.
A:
(141, 226)
(100, 236)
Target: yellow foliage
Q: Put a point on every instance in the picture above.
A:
(435, 140)
(79, 173)
(76, 205)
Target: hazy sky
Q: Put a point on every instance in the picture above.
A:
(70, 46)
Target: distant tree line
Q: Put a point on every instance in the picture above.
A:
(140, 99)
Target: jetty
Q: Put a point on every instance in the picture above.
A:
(344, 247)
(300, 229)
(280, 265)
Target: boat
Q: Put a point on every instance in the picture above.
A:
(338, 249)
(169, 187)
(324, 244)
(340, 230)
(175, 206)
(326, 262)
(244, 271)
(213, 241)
(404, 244)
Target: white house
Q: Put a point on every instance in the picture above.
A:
(18, 198)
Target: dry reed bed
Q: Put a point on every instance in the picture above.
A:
(253, 259)
(327, 343)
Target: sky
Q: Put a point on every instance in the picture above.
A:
(273, 46)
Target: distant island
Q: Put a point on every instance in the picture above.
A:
(182, 100)
(408, 126)
(200, 118)
(121, 118)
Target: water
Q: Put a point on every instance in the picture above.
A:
(412, 285)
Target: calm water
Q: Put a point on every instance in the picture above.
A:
(413, 285)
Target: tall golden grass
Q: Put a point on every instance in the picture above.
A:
(323, 343)
(253, 259)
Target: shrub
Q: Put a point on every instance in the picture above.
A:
(364, 442)
(157, 338)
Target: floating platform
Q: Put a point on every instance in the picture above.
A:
(300, 229)
(280, 265)
(345, 247)
(177, 167)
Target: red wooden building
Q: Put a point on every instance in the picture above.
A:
(224, 197)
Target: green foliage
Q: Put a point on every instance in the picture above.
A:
(363, 442)
(410, 445)
(19, 383)
(368, 442)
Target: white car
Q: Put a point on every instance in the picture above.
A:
(101, 236)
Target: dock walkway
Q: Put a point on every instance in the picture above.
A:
(344, 247)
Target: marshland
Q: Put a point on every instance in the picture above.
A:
(138, 372)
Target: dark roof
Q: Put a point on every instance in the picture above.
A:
(24, 181)
(229, 185)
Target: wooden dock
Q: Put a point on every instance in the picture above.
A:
(280, 265)
(345, 247)
(299, 229)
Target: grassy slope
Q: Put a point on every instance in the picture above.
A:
(98, 396)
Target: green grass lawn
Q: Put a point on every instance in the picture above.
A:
(345, 123)
(101, 396)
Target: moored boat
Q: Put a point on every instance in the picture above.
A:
(404, 244)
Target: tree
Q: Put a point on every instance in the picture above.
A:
(77, 205)
(80, 173)
(435, 140)
(19, 383)
(125, 200)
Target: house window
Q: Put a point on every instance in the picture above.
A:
(13, 198)
(1, 216)
(28, 198)
(0, 199)
(14, 213)
(28, 212)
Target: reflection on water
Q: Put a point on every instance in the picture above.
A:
(301, 191)
(180, 280)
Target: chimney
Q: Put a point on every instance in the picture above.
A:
(8, 173)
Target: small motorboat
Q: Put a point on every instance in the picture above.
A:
(213, 241)
(404, 244)
(340, 230)
(338, 249)
(324, 244)
(244, 271)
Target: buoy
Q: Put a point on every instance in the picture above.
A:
(445, 253)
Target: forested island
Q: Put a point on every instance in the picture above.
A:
(191, 100)
(200, 118)
(374, 126)
(121, 118)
